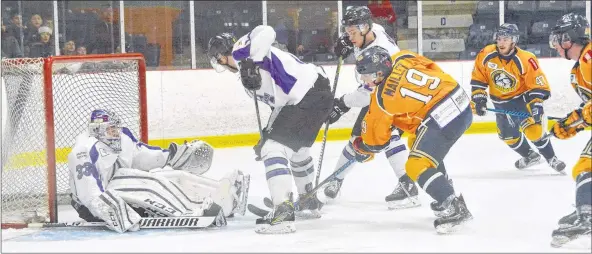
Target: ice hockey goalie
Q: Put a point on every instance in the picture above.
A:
(117, 179)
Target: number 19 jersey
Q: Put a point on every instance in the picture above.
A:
(410, 92)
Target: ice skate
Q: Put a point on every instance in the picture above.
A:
(308, 207)
(279, 221)
(570, 232)
(557, 165)
(333, 188)
(532, 159)
(568, 220)
(405, 195)
(455, 215)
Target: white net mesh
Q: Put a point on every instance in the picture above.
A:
(78, 88)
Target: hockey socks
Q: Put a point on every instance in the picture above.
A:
(435, 184)
(584, 189)
(303, 172)
(278, 178)
(545, 148)
(520, 145)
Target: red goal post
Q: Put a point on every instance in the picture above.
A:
(46, 105)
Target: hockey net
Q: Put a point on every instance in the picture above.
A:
(46, 104)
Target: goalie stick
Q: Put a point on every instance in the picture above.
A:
(148, 223)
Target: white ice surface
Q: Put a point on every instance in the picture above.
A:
(513, 210)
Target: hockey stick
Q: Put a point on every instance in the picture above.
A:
(149, 222)
(517, 113)
(257, 112)
(259, 211)
(340, 61)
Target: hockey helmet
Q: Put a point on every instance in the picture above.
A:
(571, 27)
(373, 61)
(218, 46)
(507, 30)
(106, 127)
(357, 16)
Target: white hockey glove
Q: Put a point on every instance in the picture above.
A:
(194, 157)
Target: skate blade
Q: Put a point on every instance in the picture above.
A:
(281, 228)
(577, 241)
(308, 214)
(404, 204)
(534, 163)
(449, 228)
(242, 208)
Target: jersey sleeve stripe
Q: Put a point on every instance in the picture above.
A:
(476, 84)
(128, 133)
(279, 74)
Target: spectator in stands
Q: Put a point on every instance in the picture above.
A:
(32, 31)
(44, 47)
(81, 50)
(106, 39)
(16, 28)
(10, 46)
(69, 48)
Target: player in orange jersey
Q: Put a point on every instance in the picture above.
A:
(571, 38)
(412, 93)
(516, 83)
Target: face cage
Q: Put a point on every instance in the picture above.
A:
(101, 132)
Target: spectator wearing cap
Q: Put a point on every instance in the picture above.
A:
(44, 47)
(10, 46)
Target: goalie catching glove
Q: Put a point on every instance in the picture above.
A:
(195, 157)
(574, 122)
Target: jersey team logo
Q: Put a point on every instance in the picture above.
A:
(504, 82)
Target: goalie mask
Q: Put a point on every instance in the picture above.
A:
(106, 127)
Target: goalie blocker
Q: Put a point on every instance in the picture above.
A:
(118, 180)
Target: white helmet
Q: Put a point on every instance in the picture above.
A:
(106, 127)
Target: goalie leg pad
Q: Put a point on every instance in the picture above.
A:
(195, 157)
(115, 212)
(154, 193)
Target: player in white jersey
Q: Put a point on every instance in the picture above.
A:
(361, 34)
(301, 100)
(117, 179)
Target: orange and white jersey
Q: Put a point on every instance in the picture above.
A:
(508, 77)
(412, 90)
(581, 74)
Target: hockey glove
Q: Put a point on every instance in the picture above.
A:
(572, 123)
(479, 102)
(339, 108)
(362, 153)
(535, 108)
(250, 76)
(343, 47)
(259, 145)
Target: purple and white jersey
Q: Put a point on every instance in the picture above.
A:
(361, 96)
(284, 78)
(92, 163)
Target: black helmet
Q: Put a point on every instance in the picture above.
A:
(220, 45)
(374, 60)
(357, 15)
(571, 27)
(508, 30)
